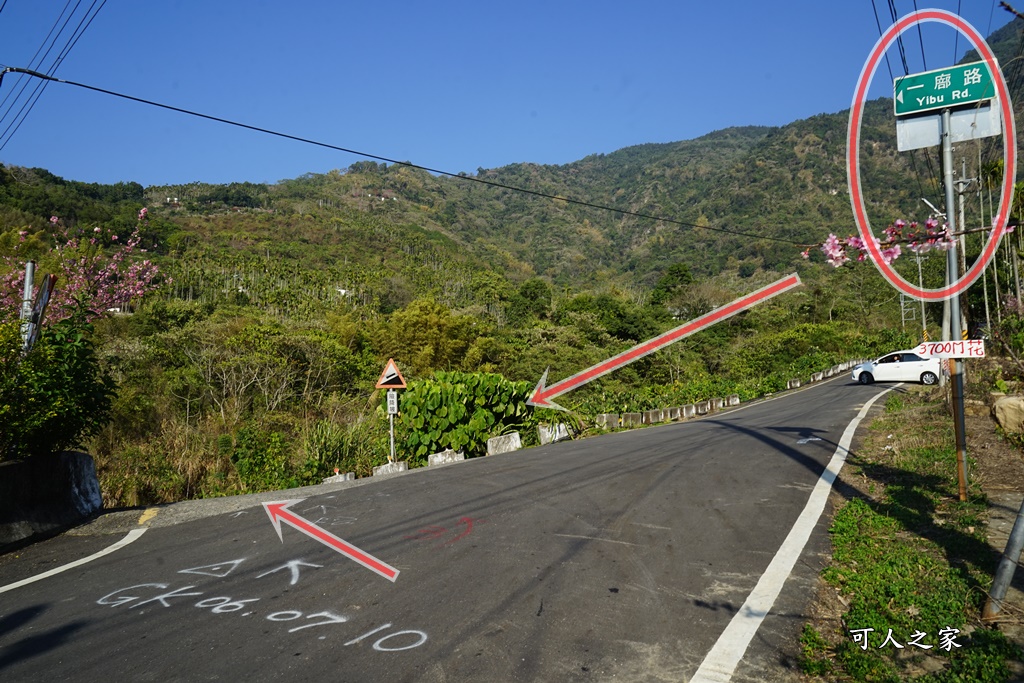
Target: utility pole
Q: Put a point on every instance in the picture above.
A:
(955, 374)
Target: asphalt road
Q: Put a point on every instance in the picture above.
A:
(623, 557)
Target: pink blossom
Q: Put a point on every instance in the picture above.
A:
(891, 254)
(53, 220)
(143, 213)
(95, 229)
(113, 237)
(834, 252)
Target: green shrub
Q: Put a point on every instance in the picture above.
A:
(461, 410)
(262, 460)
(56, 396)
(357, 446)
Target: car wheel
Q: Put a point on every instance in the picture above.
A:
(929, 378)
(866, 378)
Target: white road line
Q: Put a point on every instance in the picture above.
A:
(720, 663)
(132, 536)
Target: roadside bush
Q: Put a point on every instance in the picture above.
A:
(54, 398)
(357, 446)
(461, 410)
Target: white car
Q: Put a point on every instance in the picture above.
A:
(899, 366)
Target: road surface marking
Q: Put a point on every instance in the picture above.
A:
(149, 514)
(131, 537)
(596, 538)
(720, 663)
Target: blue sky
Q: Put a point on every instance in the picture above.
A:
(451, 85)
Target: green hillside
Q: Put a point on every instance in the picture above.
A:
(252, 362)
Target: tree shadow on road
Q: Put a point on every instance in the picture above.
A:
(34, 645)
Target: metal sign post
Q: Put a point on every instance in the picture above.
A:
(26, 305)
(391, 379)
(392, 411)
(952, 272)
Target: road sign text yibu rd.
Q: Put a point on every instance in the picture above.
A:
(949, 87)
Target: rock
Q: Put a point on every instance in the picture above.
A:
(1009, 413)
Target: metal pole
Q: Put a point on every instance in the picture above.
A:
(920, 284)
(955, 376)
(984, 287)
(26, 304)
(963, 240)
(1007, 565)
(391, 428)
(1016, 272)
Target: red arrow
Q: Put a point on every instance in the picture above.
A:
(279, 512)
(542, 395)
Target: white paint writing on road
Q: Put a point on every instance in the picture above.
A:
(222, 604)
(293, 565)
(220, 569)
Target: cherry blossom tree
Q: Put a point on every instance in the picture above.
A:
(97, 271)
(918, 239)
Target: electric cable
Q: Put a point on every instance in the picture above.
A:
(920, 38)
(956, 34)
(33, 64)
(38, 92)
(475, 179)
(878, 22)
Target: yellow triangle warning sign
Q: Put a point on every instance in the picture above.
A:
(391, 378)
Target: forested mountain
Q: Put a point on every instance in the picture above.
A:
(251, 363)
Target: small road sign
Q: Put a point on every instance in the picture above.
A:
(392, 402)
(941, 88)
(969, 348)
(391, 378)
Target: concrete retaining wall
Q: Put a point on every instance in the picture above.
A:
(42, 495)
(632, 419)
(652, 416)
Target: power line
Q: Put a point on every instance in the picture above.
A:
(83, 24)
(878, 23)
(899, 38)
(956, 34)
(920, 38)
(913, 153)
(475, 179)
(33, 63)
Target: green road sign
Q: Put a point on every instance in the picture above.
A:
(949, 87)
